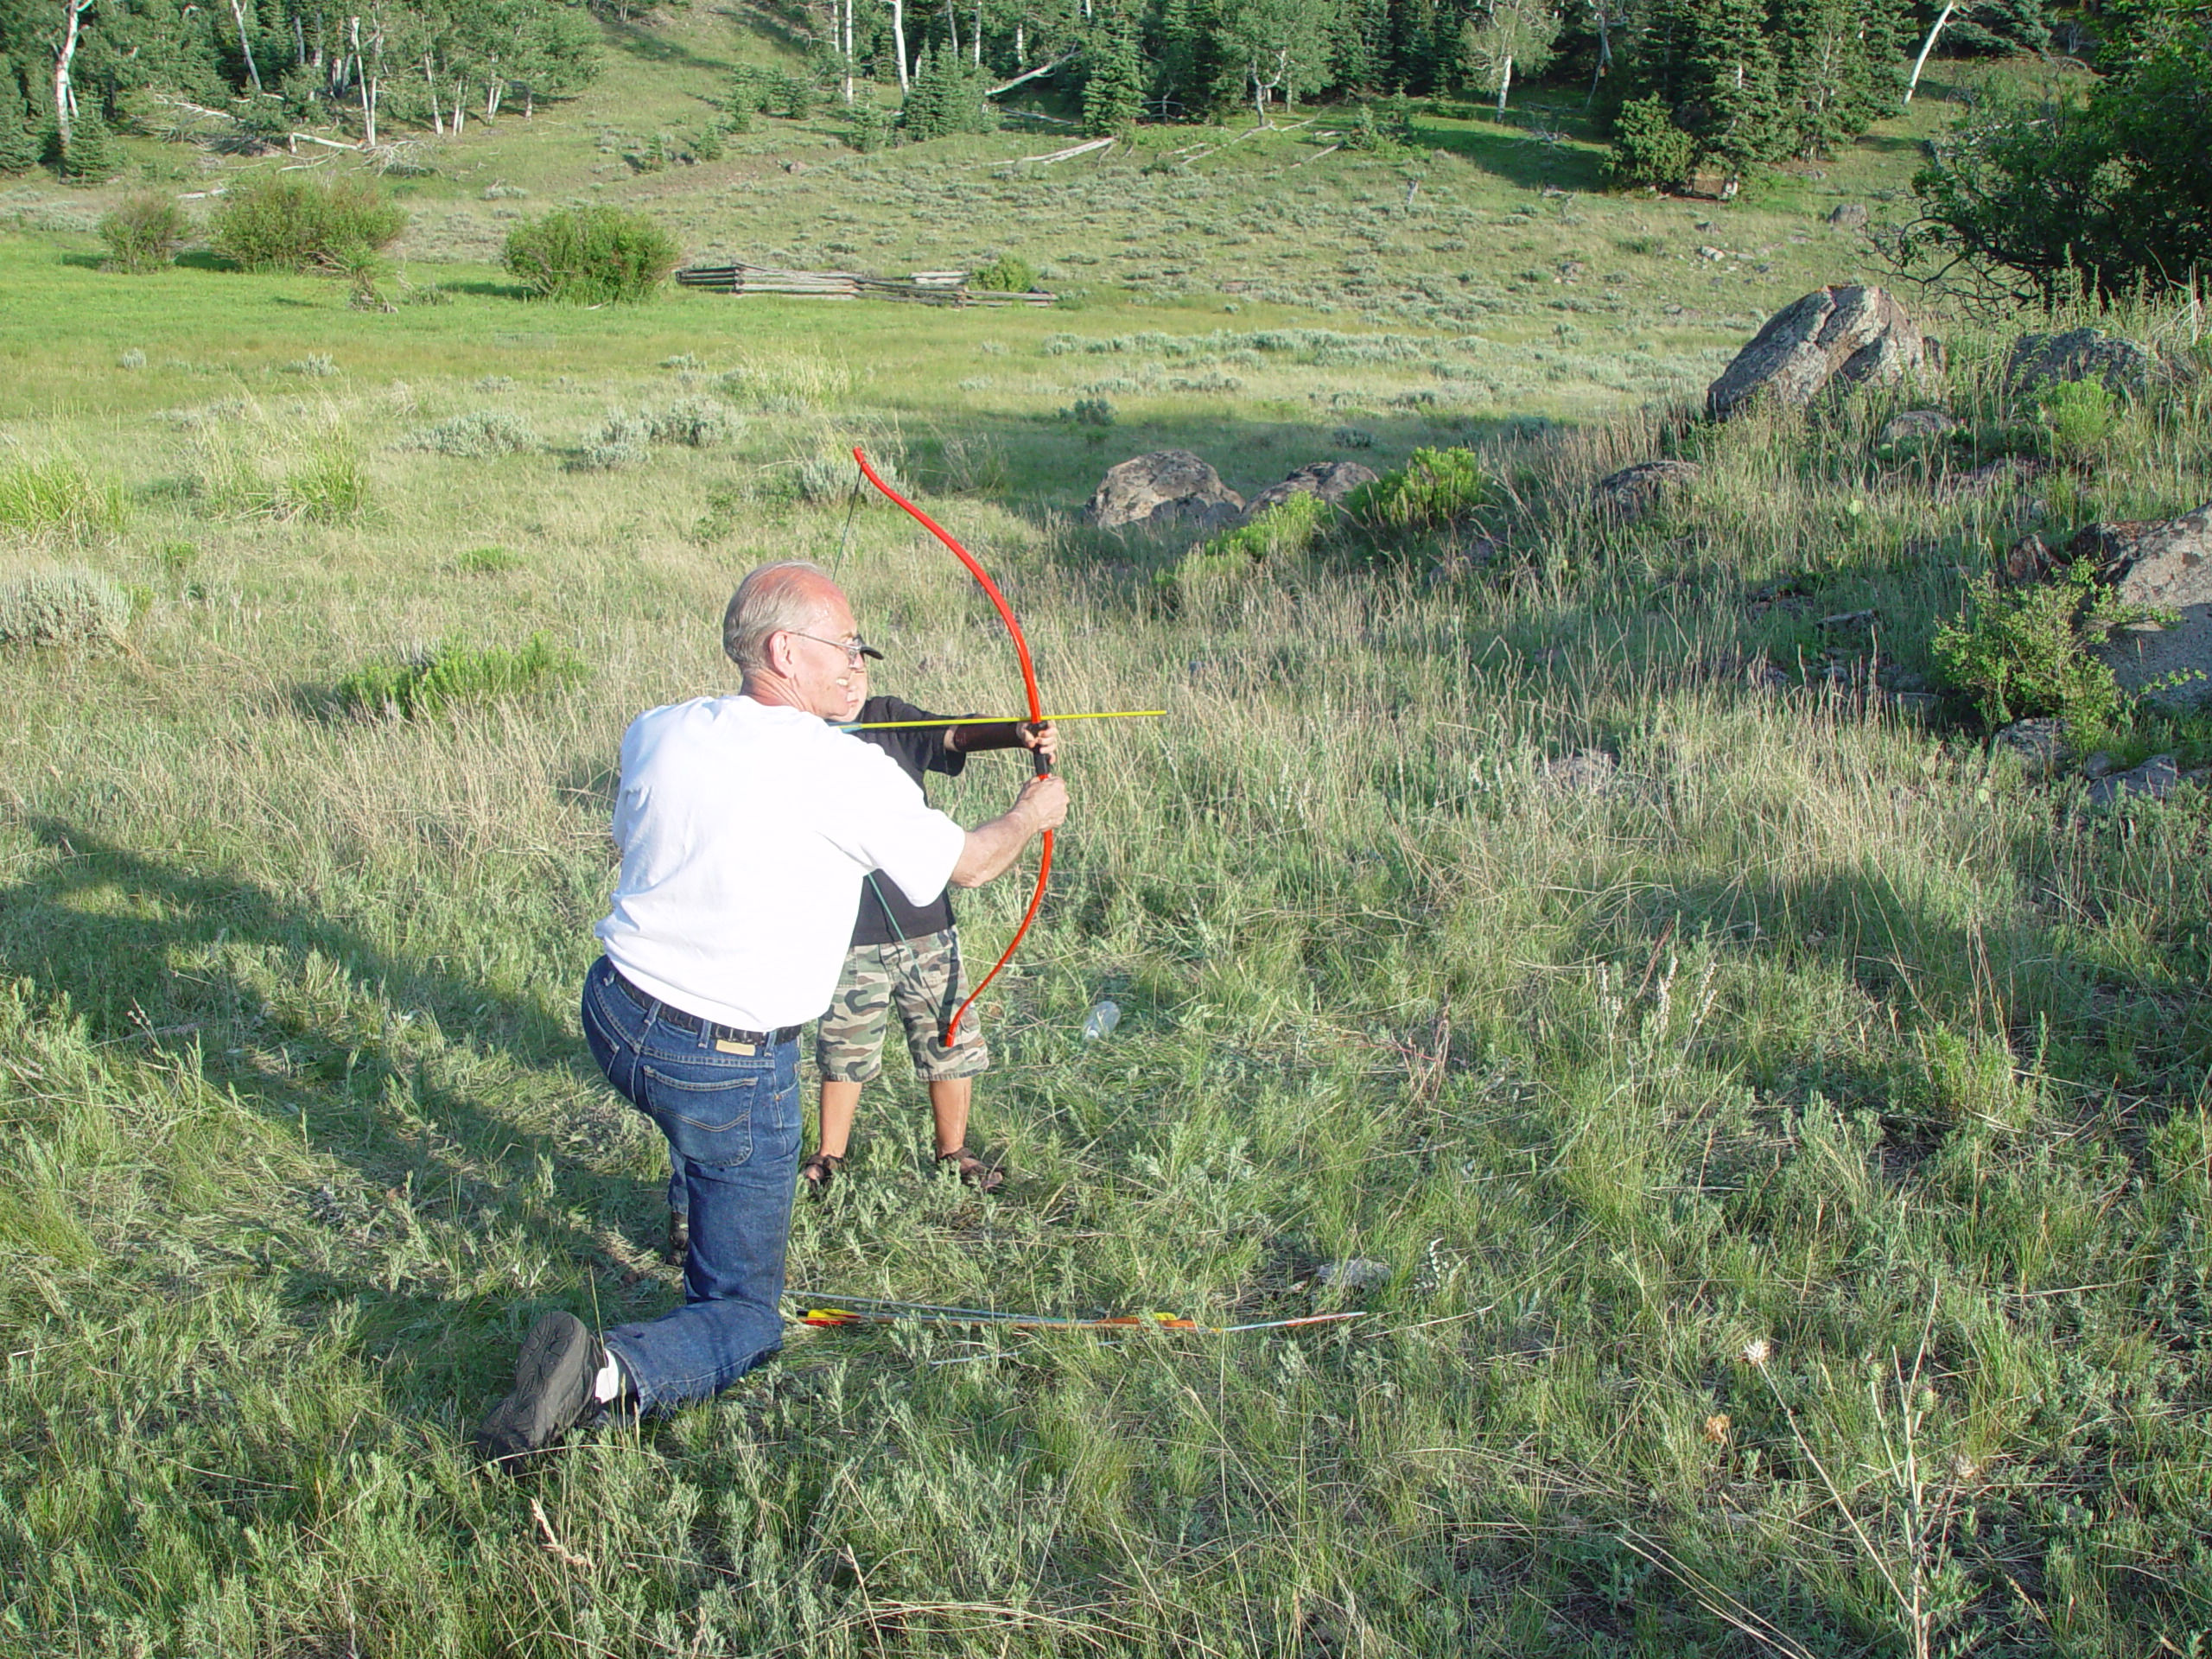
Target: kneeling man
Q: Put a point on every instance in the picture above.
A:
(746, 826)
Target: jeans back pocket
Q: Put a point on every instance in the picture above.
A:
(709, 1118)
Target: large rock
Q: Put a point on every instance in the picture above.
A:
(1632, 491)
(1332, 480)
(2166, 563)
(1916, 425)
(1168, 489)
(1834, 335)
(2157, 777)
(1848, 216)
(2040, 360)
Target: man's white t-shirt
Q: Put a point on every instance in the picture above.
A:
(745, 830)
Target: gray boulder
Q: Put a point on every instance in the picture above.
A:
(1833, 335)
(1633, 492)
(1591, 772)
(1332, 480)
(2168, 564)
(2157, 777)
(1168, 489)
(2036, 741)
(2040, 360)
(1916, 423)
(1848, 216)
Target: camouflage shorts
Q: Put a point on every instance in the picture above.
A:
(920, 977)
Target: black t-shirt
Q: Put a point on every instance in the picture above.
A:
(884, 913)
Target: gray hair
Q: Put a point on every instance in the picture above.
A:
(772, 600)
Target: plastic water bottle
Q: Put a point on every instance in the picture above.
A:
(1101, 1021)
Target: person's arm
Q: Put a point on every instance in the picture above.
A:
(991, 848)
(980, 736)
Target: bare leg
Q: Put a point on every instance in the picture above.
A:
(839, 1100)
(949, 1099)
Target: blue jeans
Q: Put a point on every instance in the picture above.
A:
(731, 1122)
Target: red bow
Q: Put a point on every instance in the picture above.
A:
(1036, 718)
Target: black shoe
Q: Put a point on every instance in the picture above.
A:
(679, 1239)
(554, 1374)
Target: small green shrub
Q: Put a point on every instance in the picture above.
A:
(274, 221)
(58, 497)
(1435, 489)
(141, 232)
(1285, 529)
(66, 607)
(327, 484)
(133, 359)
(454, 674)
(1005, 275)
(700, 422)
(478, 435)
(591, 255)
(424, 294)
(488, 561)
(1647, 148)
(708, 146)
(2028, 651)
(2078, 419)
(788, 386)
(623, 440)
(1090, 411)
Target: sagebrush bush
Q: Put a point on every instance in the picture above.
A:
(623, 440)
(275, 222)
(456, 673)
(591, 255)
(476, 435)
(2078, 418)
(143, 232)
(58, 496)
(66, 607)
(699, 423)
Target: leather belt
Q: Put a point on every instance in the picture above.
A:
(681, 1021)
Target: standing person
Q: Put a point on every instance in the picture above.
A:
(745, 826)
(906, 955)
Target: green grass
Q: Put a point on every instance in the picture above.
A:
(1791, 1155)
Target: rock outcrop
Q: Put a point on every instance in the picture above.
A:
(1332, 480)
(2167, 563)
(1633, 492)
(1916, 424)
(1831, 336)
(1168, 489)
(2040, 360)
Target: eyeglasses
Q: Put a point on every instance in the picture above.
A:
(854, 649)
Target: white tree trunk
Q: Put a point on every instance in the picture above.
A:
(245, 44)
(460, 112)
(849, 50)
(899, 41)
(1504, 84)
(1020, 53)
(437, 110)
(978, 41)
(65, 95)
(1927, 45)
(952, 22)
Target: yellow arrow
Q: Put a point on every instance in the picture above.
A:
(972, 720)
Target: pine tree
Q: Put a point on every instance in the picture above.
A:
(1731, 75)
(19, 145)
(1113, 94)
(88, 156)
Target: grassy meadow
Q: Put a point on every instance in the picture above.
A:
(1787, 1136)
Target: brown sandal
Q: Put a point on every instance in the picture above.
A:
(818, 1171)
(984, 1178)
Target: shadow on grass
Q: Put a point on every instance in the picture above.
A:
(128, 938)
(640, 43)
(1526, 158)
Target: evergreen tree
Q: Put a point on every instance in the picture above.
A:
(1113, 92)
(1734, 112)
(19, 145)
(946, 97)
(88, 156)
(1840, 69)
